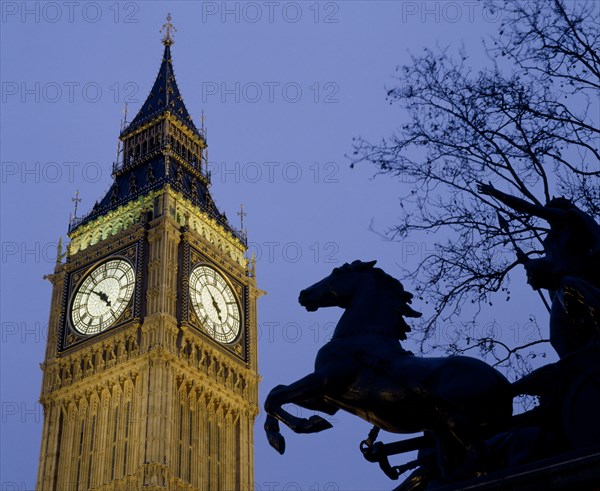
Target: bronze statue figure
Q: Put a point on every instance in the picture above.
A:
(458, 401)
(570, 269)
(462, 405)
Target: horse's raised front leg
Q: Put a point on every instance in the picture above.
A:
(274, 436)
(308, 389)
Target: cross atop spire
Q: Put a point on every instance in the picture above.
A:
(168, 27)
(76, 200)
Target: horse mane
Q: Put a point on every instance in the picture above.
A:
(389, 281)
(394, 287)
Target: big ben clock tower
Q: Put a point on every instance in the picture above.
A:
(150, 375)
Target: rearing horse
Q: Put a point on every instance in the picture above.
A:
(365, 371)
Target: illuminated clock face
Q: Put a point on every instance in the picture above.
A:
(102, 296)
(215, 305)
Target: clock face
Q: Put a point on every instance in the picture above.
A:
(215, 305)
(102, 296)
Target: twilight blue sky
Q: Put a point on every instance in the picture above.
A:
(284, 87)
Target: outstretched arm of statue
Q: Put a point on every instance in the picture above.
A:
(521, 205)
(521, 256)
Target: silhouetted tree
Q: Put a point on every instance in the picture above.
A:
(528, 123)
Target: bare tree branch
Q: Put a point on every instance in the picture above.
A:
(530, 127)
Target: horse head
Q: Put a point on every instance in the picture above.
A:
(360, 280)
(337, 289)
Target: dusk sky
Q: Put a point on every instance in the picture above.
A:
(284, 87)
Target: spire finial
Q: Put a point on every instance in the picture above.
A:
(242, 214)
(125, 116)
(59, 251)
(76, 200)
(168, 40)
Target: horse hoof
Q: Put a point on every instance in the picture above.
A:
(314, 424)
(277, 441)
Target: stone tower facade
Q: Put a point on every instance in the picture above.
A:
(150, 374)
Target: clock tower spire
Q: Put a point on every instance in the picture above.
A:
(150, 375)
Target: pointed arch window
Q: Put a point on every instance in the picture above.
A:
(91, 450)
(126, 436)
(114, 442)
(79, 454)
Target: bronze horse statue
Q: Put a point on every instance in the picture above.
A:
(364, 370)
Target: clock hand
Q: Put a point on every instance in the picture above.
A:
(103, 296)
(216, 306)
(98, 294)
